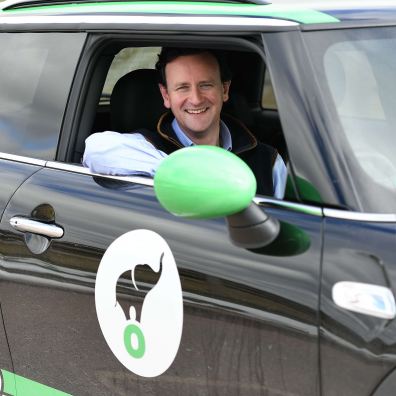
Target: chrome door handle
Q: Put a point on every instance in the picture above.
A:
(25, 224)
(365, 298)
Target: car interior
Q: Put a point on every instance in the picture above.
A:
(124, 89)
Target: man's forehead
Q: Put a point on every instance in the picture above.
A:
(181, 81)
(205, 59)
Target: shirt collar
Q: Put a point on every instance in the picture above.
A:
(225, 134)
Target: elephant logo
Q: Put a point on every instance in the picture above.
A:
(145, 341)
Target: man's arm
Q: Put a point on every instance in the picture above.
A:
(113, 153)
(279, 177)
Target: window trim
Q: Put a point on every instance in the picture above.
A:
(81, 93)
(20, 158)
(85, 171)
(270, 202)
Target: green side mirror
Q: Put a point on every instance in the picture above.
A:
(203, 182)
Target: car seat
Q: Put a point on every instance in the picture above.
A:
(136, 102)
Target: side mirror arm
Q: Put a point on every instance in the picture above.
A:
(252, 228)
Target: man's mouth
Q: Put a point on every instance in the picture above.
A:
(196, 111)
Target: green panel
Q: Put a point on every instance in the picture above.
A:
(8, 383)
(297, 14)
(26, 387)
(204, 182)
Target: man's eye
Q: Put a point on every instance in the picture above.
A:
(182, 88)
(206, 86)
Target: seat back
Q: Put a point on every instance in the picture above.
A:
(136, 102)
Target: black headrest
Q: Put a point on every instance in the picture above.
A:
(136, 101)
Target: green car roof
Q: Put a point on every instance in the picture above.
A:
(278, 11)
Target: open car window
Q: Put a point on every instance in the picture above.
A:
(124, 113)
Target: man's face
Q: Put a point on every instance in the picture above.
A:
(195, 94)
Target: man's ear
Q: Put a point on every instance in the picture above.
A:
(165, 96)
(226, 90)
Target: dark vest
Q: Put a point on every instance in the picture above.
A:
(260, 157)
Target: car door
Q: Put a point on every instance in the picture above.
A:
(358, 277)
(28, 67)
(357, 316)
(345, 161)
(250, 317)
(12, 175)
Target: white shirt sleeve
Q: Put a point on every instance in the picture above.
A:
(128, 154)
(123, 154)
(279, 177)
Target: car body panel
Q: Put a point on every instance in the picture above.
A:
(366, 344)
(13, 174)
(241, 315)
(5, 355)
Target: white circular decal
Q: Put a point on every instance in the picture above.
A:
(146, 345)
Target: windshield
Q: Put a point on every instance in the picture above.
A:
(357, 70)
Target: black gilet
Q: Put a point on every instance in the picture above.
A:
(260, 157)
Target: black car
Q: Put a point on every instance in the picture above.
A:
(188, 284)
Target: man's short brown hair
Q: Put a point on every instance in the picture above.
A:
(168, 54)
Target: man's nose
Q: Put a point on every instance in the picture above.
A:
(196, 96)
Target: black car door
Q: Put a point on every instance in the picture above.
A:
(12, 175)
(30, 118)
(249, 321)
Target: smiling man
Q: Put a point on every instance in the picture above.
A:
(194, 84)
(192, 87)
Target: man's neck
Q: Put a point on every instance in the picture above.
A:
(206, 139)
(209, 139)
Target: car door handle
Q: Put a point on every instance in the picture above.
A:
(25, 224)
(365, 298)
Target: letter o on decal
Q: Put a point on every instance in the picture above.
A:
(130, 331)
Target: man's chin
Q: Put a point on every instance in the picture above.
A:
(197, 132)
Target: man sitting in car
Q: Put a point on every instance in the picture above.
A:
(194, 84)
